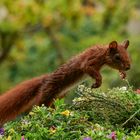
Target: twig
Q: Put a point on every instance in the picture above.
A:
(130, 118)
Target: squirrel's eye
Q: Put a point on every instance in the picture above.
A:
(117, 57)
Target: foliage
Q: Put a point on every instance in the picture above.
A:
(80, 121)
(119, 106)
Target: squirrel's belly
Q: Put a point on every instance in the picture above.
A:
(72, 85)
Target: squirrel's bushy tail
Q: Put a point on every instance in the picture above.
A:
(20, 99)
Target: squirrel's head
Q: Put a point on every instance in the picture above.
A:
(117, 56)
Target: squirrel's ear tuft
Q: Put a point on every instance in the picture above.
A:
(113, 45)
(126, 44)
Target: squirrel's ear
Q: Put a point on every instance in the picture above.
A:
(113, 45)
(126, 44)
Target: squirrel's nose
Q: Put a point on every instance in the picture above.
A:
(127, 67)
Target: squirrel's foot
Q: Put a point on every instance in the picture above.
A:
(96, 85)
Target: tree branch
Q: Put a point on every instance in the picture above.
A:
(7, 41)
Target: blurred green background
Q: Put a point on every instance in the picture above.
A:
(37, 36)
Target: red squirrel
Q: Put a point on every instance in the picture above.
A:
(45, 89)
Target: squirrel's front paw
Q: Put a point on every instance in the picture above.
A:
(96, 85)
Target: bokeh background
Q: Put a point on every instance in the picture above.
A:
(37, 36)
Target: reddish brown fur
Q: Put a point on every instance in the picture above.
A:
(46, 88)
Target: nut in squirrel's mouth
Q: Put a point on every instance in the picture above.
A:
(122, 74)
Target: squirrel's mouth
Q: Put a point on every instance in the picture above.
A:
(122, 74)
